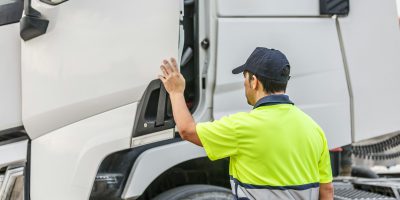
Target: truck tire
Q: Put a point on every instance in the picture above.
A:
(196, 192)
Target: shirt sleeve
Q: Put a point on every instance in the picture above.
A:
(324, 165)
(218, 138)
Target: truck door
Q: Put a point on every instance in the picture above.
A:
(89, 56)
(10, 78)
(86, 65)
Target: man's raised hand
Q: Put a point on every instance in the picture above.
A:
(172, 79)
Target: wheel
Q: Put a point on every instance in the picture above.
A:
(196, 192)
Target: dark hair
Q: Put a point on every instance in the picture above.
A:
(270, 86)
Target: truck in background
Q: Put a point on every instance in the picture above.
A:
(83, 116)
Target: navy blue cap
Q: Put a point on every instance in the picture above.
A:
(268, 63)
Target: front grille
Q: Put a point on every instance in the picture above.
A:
(366, 189)
(355, 194)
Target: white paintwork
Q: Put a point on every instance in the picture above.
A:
(155, 161)
(398, 8)
(10, 77)
(257, 8)
(318, 84)
(65, 161)
(13, 153)
(371, 36)
(96, 55)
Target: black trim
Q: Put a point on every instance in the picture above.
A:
(191, 68)
(32, 27)
(198, 78)
(286, 187)
(33, 24)
(153, 113)
(11, 130)
(121, 163)
(52, 3)
(13, 140)
(334, 7)
(161, 107)
(11, 13)
(27, 174)
(13, 135)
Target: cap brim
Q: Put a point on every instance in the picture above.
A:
(239, 69)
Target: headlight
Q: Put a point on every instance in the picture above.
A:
(106, 184)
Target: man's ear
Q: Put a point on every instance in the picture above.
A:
(255, 84)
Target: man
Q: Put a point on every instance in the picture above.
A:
(276, 151)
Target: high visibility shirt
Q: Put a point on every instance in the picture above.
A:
(276, 151)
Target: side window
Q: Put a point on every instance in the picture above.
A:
(10, 11)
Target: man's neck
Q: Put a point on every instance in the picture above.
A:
(260, 95)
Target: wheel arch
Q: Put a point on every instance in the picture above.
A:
(153, 162)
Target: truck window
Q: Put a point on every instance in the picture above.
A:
(10, 11)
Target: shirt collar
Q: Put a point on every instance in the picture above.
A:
(273, 100)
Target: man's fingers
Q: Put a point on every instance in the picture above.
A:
(164, 70)
(162, 78)
(168, 67)
(174, 64)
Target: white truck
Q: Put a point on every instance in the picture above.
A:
(83, 116)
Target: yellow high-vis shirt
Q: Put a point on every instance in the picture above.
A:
(275, 146)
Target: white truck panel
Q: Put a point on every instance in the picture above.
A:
(96, 55)
(10, 77)
(371, 37)
(155, 161)
(256, 8)
(65, 161)
(318, 83)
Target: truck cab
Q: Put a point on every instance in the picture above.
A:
(83, 115)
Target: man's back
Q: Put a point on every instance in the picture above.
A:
(276, 151)
(279, 141)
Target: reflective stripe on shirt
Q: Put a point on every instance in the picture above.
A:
(242, 191)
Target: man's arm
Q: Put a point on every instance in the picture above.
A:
(174, 83)
(325, 191)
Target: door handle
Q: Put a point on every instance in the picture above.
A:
(153, 112)
(162, 106)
